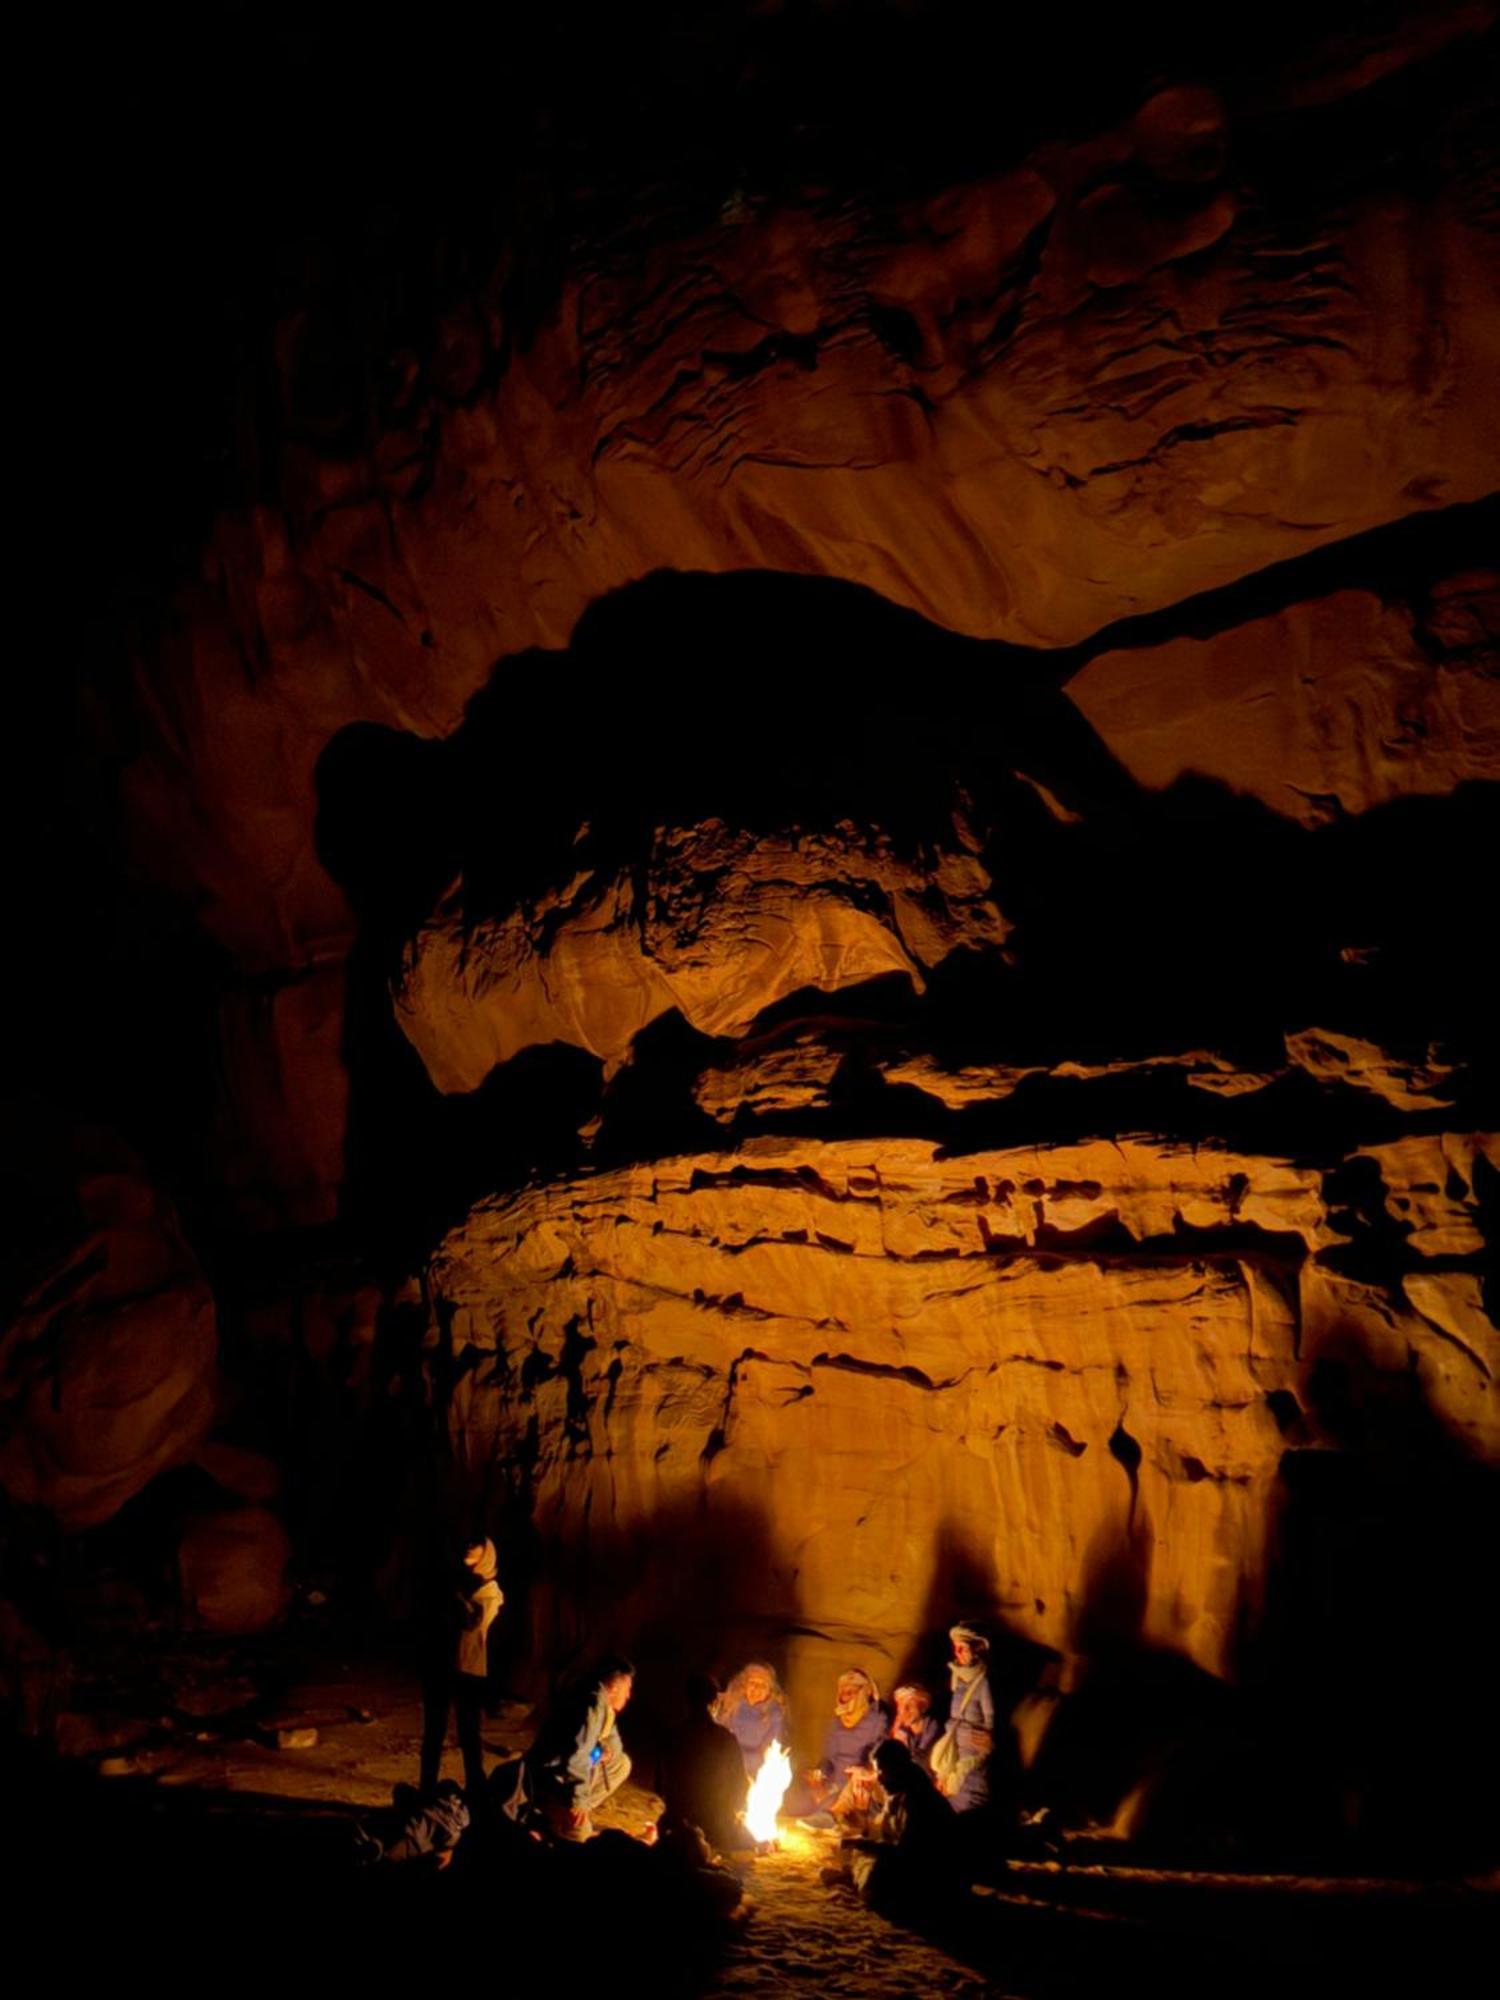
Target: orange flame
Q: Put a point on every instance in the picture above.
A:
(766, 1793)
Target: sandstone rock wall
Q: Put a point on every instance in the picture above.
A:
(1142, 363)
(821, 1397)
(1334, 706)
(869, 800)
(732, 924)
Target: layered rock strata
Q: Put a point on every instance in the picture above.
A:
(812, 1395)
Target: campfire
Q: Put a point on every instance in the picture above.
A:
(767, 1790)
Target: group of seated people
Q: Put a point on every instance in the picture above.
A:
(840, 1789)
(578, 1760)
(881, 1770)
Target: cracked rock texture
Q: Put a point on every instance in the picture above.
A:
(1244, 321)
(1329, 708)
(797, 1389)
(1141, 363)
(727, 925)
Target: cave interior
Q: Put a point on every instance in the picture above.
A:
(754, 856)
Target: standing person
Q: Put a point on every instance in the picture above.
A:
(961, 1755)
(915, 1725)
(753, 1709)
(458, 1667)
(578, 1760)
(839, 1787)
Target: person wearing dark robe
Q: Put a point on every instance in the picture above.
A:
(961, 1756)
(914, 1723)
(838, 1789)
(681, 1847)
(414, 1828)
(914, 1864)
(753, 1709)
(702, 1778)
(457, 1670)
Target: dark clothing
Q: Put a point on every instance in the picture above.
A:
(703, 1781)
(464, 1694)
(915, 1862)
(413, 1826)
(920, 1739)
(683, 1851)
(920, 1818)
(755, 1726)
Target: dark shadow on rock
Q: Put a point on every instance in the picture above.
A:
(1135, 1711)
(962, 1587)
(1348, 1740)
(693, 1586)
(1142, 922)
(1372, 1665)
(571, 762)
(648, 1108)
(387, 829)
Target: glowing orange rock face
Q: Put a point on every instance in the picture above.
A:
(728, 924)
(1333, 706)
(815, 1389)
(1119, 373)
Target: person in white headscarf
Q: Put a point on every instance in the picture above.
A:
(961, 1755)
(458, 1667)
(837, 1790)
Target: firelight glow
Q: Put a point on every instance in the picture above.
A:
(767, 1790)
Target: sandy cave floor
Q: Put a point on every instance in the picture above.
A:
(198, 1740)
(802, 1936)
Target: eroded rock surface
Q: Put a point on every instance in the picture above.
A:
(1133, 366)
(1330, 707)
(1237, 319)
(836, 1377)
(718, 924)
(868, 797)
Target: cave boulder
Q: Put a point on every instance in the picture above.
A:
(107, 1358)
